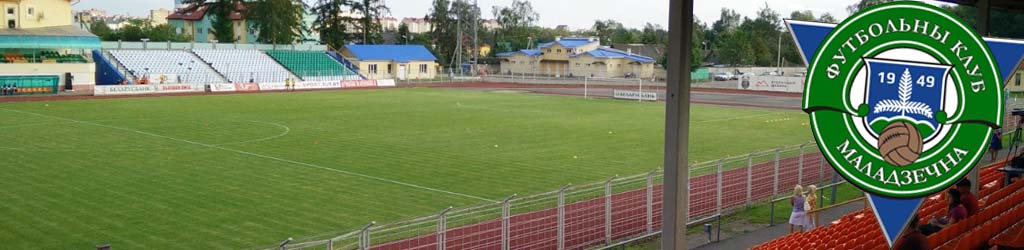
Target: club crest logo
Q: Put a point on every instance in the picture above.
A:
(903, 98)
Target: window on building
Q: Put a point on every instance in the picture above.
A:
(373, 69)
(1017, 82)
(31, 11)
(549, 50)
(389, 68)
(10, 10)
(423, 68)
(559, 51)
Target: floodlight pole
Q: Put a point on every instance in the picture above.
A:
(677, 124)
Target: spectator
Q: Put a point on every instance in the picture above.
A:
(812, 202)
(956, 212)
(968, 199)
(912, 238)
(14, 90)
(5, 89)
(997, 144)
(798, 218)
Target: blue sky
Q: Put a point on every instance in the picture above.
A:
(575, 13)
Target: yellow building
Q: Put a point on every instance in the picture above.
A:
(399, 62)
(42, 51)
(572, 57)
(27, 14)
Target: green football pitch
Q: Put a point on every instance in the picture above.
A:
(249, 170)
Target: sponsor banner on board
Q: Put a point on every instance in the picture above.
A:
(635, 95)
(247, 87)
(272, 86)
(359, 84)
(124, 89)
(222, 87)
(180, 88)
(386, 83)
(318, 85)
(772, 83)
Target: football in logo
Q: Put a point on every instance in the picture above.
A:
(903, 99)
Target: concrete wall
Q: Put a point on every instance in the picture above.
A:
(757, 70)
(84, 73)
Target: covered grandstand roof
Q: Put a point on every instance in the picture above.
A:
(605, 52)
(57, 37)
(397, 53)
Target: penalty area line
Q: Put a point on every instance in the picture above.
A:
(310, 165)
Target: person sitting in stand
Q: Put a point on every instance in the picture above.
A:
(912, 238)
(956, 212)
(14, 90)
(5, 89)
(968, 199)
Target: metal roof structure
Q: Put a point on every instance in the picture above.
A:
(57, 37)
(397, 53)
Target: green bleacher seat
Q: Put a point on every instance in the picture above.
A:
(311, 65)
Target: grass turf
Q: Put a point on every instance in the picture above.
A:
(246, 171)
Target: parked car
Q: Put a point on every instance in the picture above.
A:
(724, 76)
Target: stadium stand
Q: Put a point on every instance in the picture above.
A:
(1001, 208)
(243, 65)
(175, 62)
(312, 65)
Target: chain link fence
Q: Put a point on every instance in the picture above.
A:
(595, 214)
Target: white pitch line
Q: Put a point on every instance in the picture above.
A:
(737, 118)
(259, 155)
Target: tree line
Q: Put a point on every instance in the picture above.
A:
(733, 39)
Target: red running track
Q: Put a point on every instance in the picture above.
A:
(585, 220)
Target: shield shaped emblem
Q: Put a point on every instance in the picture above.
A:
(905, 91)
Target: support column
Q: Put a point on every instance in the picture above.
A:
(677, 126)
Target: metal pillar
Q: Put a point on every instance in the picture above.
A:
(442, 228)
(750, 178)
(561, 217)
(608, 211)
(677, 126)
(506, 215)
(650, 202)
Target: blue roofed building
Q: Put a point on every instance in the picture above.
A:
(575, 57)
(392, 61)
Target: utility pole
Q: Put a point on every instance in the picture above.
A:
(458, 38)
(476, 45)
(779, 69)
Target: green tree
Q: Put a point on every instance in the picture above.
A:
(404, 37)
(163, 33)
(278, 21)
(864, 4)
(608, 30)
(101, 30)
(655, 34)
(371, 11)
(333, 27)
(441, 35)
(220, 13)
(131, 32)
(827, 18)
(805, 15)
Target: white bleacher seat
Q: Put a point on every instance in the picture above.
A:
(178, 62)
(241, 65)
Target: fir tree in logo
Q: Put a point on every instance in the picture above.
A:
(904, 105)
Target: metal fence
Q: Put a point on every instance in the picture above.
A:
(595, 214)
